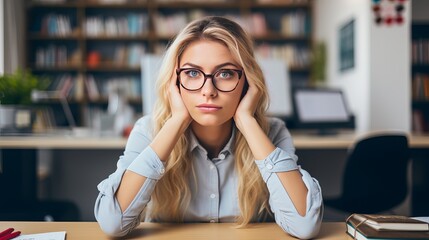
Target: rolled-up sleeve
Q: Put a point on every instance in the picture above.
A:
(283, 159)
(140, 158)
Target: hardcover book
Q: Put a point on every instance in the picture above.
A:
(392, 222)
(359, 227)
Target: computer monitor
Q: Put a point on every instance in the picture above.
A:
(322, 109)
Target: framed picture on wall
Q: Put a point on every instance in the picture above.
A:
(347, 46)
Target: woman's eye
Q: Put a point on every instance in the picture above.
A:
(192, 73)
(225, 74)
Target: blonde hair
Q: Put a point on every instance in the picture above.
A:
(172, 194)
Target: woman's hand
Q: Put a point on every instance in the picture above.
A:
(247, 106)
(178, 108)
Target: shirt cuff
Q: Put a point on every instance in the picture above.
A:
(148, 164)
(278, 161)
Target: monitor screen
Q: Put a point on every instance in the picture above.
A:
(321, 108)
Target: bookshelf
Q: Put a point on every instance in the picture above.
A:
(99, 42)
(420, 77)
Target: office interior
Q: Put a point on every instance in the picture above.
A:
(378, 62)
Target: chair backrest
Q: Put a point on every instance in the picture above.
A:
(375, 177)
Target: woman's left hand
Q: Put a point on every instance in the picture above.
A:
(247, 106)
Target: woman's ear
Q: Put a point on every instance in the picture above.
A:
(245, 88)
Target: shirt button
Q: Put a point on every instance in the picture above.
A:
(162, 171)
(212, 195)
(212, 221)
(221, 156)
(269, 166)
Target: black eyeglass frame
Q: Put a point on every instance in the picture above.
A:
(179, 70)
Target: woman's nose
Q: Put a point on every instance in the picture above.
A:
(209, 89)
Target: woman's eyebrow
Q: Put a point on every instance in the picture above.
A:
(216, 67)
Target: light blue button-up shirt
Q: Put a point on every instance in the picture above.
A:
(214, 190)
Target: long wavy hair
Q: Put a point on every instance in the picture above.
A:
(172, 194)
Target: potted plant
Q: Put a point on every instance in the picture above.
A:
(318, 65)
(15, 100)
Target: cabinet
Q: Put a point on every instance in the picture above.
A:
(89, 47)
(420, 77)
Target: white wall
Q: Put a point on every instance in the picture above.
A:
(329, 16)
(390, 75)
(377, 88)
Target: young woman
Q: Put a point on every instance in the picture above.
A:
(208, 153)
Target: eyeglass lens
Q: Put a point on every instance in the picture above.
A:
(223, 79)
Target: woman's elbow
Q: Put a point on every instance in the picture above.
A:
(112, 228)
(109, 218)
(303, 227)
(110, 224)
(306, 232)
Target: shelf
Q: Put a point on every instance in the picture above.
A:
(128, 5)
(113, 68)
(420, 68)
(299, 69)
(56, 69)
(202, 4)
(420, 103)
(79, 45)
(280, 5)
(419, 79)
(65, 4)
(279, 37)
(37, 36)
(118, 38)
(104, 100)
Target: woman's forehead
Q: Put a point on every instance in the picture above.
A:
(207, 53)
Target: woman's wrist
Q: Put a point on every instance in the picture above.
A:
(244, 120)
(182, 121)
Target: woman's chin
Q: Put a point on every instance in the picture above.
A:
(210, 121)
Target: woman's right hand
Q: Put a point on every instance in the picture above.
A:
(178, 108)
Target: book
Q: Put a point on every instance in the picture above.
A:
(391, 222)
(361, 231)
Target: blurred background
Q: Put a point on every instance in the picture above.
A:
(75, 75)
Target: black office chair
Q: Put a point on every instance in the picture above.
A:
(375, 176)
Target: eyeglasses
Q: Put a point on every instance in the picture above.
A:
(224, 80)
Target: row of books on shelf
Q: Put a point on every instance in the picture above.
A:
(282, 1)
(77, 87)
(420, 87)
(295, 57)
(222, 1)
(130, 55)
(132, 24)
(386, 227)
(56, 25)
(291, 24)
(420, 124)
(295, 24)
(56, 55)
(121, 55)
(172, 1)
(420, 51)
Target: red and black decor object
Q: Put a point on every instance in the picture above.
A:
(388, 12)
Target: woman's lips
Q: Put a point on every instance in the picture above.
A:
(208, 108)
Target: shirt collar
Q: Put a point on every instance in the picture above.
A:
(194, 143)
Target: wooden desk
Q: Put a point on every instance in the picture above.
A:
(301, 141)
(148, 231)
(419, 151)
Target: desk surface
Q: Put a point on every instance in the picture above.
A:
(301, 141)
(147, 231)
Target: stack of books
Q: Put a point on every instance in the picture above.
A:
(385, 227)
